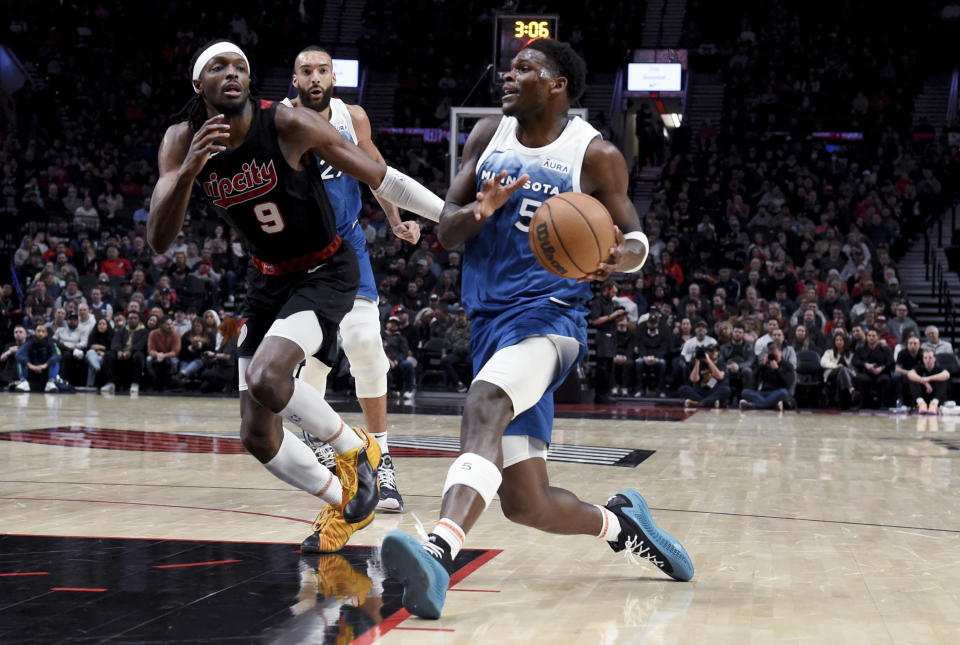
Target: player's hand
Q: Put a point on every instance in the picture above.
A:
(408, 231)
(210, 138)
(606, 269)
(494, 195)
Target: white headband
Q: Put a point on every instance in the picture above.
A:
(215, 50)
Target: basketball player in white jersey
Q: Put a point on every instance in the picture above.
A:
(528, 327)
(314, 80)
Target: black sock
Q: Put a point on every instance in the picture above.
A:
(445, 558)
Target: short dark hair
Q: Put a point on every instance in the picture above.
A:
(568, 63)
(310, 48)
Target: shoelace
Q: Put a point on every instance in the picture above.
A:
(637, 548)
(433, 549)
(387, 476)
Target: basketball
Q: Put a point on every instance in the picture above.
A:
(570, 233)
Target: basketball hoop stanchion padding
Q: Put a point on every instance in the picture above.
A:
(459, 114)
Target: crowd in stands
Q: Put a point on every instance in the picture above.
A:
(772, 254)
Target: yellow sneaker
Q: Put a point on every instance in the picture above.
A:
(331, 531)
(357, 470)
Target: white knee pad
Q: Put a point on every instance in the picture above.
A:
(314, 372)
(303, 328)
(524, 371)
(363, 345)
(476, 472)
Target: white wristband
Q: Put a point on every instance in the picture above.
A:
(638, 235)
(409, 194)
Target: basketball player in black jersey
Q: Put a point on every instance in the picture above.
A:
(256, 167)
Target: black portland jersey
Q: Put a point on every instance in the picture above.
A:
(279, 213)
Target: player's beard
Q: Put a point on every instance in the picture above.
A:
(317, 106)
(225, 105)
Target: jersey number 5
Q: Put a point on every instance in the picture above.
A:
(527, 208)
(269, 217)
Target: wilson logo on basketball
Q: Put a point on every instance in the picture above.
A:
(546, 248)
(252, 182)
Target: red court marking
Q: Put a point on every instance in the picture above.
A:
(195, 508)
(423, 629)
(25, 573)
(394, 620)
(193, 564)
(76, 589)
(477, 590)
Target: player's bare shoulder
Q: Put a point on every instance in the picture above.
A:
(602, 163)
(175, 144)
(481, 135)
(357, 113)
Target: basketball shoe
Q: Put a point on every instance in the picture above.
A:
(331, 531)
(418, 567)
(390, 499)
(332, 576)
(357, 471)
(324, 452)
(641, 538)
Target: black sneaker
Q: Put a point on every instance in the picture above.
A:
(390, 499)
(640, 537)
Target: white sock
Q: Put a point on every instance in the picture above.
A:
(381, 438)
(296, 464)
(611, 525)
(308, 410)
(451, 533)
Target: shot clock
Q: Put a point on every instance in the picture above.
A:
(513, 32)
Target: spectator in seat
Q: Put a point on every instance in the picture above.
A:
(163, 354)
(739, 361)
(901, 323)
(777, 378)
(934, 342)
(839, 373)
(9, 371)
(398, 353)
(194, 345)
(873, 362)
(908, 358)
(457, 359)
(652, 347)
(38, 356)
(71, 340)
(219, 373)
(880, 325)
(115, 266)
(624, 369)
(707, 387)
(929, 383)
(128, 354)
(98, 344)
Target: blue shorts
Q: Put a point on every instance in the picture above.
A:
(491, 333)
(368, 284)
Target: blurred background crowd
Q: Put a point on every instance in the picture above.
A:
(773, 278)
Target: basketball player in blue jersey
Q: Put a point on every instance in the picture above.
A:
(257, 167)
(528, 327)
(314, 80)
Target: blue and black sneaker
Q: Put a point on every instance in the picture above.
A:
(641, 538)
(419, 569)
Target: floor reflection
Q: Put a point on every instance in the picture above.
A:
(140, 590)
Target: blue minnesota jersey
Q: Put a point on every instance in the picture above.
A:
(343, 191)
(500, 271)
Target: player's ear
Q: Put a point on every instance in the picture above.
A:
(559, 84)
(196, 87)
(334, 76)
(293, 80)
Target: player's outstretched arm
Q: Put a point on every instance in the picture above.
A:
(180, 160)
(466, 210)
(303, 131)
(407, 231)
(605, 176)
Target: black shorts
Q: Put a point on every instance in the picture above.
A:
(328, 290)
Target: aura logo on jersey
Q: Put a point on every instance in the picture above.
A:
(251, 182)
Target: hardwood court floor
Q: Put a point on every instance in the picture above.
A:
(804, 528)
